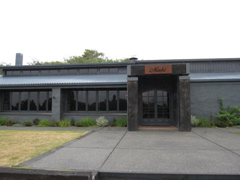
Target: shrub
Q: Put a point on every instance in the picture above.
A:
(54, 123)
(17, 125)
(194, 121)
(64, 123)
(72, 122)
(27, 123)
(3, 121)
(44, 123)
(101, 121)
(36, 121)
(122, 122)
(202, 122)
(113, 122)
(219, 123)
(85, 122)
(10, 122)
(229, 116)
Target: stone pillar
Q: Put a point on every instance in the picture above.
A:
(184, 104)
(132, 87)
(56, 103)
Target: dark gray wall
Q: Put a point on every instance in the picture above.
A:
(21, 117)
(109, 117)
(204, 97)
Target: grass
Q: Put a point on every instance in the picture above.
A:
(17, 146)
(237, 132)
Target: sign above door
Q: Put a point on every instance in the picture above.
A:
(158, 69)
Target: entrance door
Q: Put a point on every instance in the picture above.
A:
(155, 108)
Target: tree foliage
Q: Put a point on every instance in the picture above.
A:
(3, 64)
(89, 56)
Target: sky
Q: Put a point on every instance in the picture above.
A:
(51, 30)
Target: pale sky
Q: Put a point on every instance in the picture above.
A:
(49, 30)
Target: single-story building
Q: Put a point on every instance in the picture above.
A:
(148, 93)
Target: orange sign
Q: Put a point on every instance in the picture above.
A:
(158, 69)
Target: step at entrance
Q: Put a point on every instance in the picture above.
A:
(170, 128)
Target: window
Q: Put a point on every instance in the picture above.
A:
(103, 71)
(63, 72)
(112, 99)
(102, 100)
(27, 101)
(72, 101)
(6, 101)
(113, 70)
(45, 72)
(73, 71)
(33, 98)
(122, 101)
(93, 71)
(24, 101)
(91, 100)
(97, 100)
(83, 71)
(26, 73)
(81, 101)
(17, 73)
(53, 72)
(35, 73)
(15, 100)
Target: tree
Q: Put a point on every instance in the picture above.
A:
(3, 64)
(89, 56)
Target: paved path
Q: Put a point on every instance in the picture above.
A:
(202, 151)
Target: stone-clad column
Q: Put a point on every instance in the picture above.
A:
(184, 104)
(56, 103)
(132, 87)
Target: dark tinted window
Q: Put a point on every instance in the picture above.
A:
(9, 73)
(72, 100)
(6, 101)
(91, 100)
(26, 73)
(83, 71)
(112, 97)
(15, 101)
(113, 70)
(33, 101)
(42, 101)
(49, 100)
(122, 101)
(45, 72)
(122, 70)
(63, 72)
(53, 72)
(17, 73)
(34, 73)
(73, 71)
(102, 100)
(24, 101)
(103, 71)
(81, 100)
(92, 71)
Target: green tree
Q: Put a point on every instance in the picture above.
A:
(3, 64)
(89, 56)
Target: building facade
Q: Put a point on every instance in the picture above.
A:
(148, 93)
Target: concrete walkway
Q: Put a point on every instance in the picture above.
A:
(202, 151)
